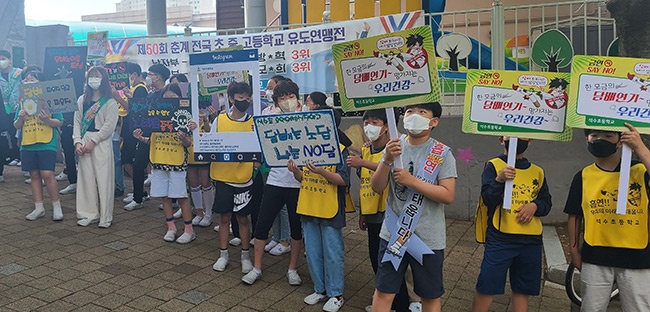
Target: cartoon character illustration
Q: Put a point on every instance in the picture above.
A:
(416, 57)
(391, 59)
(613, 195)
(634, 194)
(62, 72)
(530, 95)
(556, 97)
(643, 82)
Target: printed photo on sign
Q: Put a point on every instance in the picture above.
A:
(610, 91)
(161, 114)
(303, 55)
(237, 66)
(56, 96)
(387, 70)
(518, 104)
(305, 137)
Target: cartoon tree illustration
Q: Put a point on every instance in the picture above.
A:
(453, 47)
(552, 50)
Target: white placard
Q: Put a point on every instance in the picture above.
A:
(512, 158)
(613, 97)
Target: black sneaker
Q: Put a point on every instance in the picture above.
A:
(119, 193)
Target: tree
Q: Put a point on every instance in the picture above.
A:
(453, 47)
(633, 26)
(552, 50)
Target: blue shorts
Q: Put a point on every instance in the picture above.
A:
(38, 160)
(524, 262)
(427, 277)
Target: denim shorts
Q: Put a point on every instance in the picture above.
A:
(38, 160)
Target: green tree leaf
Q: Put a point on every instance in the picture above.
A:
(552, 50)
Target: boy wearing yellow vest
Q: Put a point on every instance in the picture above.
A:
(234, 180)
(417, 193)
(513, 237)
(615, 247)
(321, 204)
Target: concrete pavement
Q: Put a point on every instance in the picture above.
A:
(59, 266)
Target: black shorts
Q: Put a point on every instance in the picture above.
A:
(230, 199)
(427, 278)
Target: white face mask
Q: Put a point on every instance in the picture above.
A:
(415, 123)
(305, 108)
(269, 95)
(288, 106)
(372, 132)
(4, 64)
(148, 81)
(94, 82)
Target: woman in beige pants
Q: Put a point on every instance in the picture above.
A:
(94, 123)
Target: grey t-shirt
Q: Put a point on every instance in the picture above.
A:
(431, 225)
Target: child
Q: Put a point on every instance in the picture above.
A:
(234, 180)
(323, 219)
(168, 155)
(434, 163)
(39, 143)
(615, 247)
(514, 237)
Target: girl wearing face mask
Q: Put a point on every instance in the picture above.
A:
(39, 144)
(268, 92)
(94, 123)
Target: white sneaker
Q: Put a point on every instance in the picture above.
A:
(294, 278)
(133, 205)
(170, 236)
(314, 298)
(270, 245)
(28, 181)
(196, 220)
(19, 163)
(186, 238)
(221, 264)
(178, 214)
(369, 308)
(235, 241)
(104, 225)
(205, 221)
(2, 178)
(70, 189)
(280, 249)
(251, 277)
(246, 265)
(147, 181)
(128, 198)
(61, 176)
(26, 174)
(333, 304)
(415, 307)
(87, 221)
(14, 162)
(216, 229)
(36, 214)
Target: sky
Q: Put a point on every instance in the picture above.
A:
(66, 10)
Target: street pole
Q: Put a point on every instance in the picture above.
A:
(497, 39)
(254, 15)
(156, 17)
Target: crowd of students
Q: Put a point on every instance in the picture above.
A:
(410, 179)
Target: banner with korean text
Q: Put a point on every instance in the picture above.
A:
(160, 114)
(302, 54)
(305, 137)
(55, 96)
(520, 104)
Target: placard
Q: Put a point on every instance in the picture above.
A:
(66, 62)
(226, 146)
(161, 114)
(520, 104)
(608, 92)
(117, 75)
(389, 70)
(56, 96)
(305, 137)
(97, 46)
(303, 54)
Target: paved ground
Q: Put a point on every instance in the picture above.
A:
(59, 266)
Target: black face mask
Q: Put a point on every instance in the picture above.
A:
(242, 106)
(601, 148)
(521, 146)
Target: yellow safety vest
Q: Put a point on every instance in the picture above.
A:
(603, 227)
(36, 131)
(232, 172)
(371, 202)
(318, 197)
(526, 187)
(165, 149)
